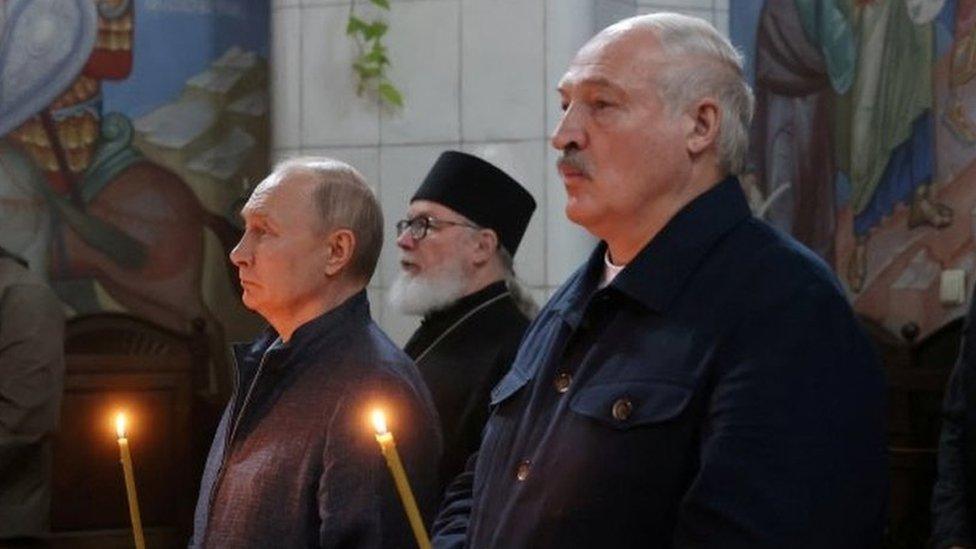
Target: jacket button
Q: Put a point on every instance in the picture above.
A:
(622, 409)
(562, 382)
(522, 472)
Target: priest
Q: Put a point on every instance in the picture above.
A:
(462, 228)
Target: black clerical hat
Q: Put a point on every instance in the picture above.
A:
(481, 192)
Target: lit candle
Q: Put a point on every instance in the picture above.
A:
(388, 447)
(130, 482)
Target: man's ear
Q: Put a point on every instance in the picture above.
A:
(486, 243)
(705, 115)
(340, 245)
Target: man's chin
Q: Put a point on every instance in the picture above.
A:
(577, 213)
(249, 300)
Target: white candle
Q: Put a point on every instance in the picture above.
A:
(388, 448)
(130, 482)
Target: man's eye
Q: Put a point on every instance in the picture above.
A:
(564, 105)
(600, 104)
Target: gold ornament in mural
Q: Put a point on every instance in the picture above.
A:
(77, 128)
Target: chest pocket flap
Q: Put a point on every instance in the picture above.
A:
(626, 404)
(508, 386)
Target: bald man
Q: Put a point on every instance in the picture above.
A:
(701, 380)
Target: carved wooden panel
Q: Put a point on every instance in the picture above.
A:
(115, 362)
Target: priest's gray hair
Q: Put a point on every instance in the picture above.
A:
(523, 300)
(703, 63)
(344, 201)
(520, 296)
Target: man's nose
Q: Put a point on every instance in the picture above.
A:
(240, 256)
(570, 131)
(406, 240)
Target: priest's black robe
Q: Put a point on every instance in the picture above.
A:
(462, 351)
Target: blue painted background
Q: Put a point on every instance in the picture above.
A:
(176, 39)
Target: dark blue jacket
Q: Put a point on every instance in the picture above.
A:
(719, 393)
(954, 493)
(295, 462)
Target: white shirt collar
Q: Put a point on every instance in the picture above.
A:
(610, 271)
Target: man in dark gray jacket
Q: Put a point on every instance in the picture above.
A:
(31, 387)
(295, 462)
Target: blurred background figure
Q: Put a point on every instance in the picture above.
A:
(31, 385)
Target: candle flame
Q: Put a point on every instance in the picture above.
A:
(120, 424)
(379, 421)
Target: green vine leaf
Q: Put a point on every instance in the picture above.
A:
(376, 30)
(377, 55)
(370, 66)
(356, 26)
(366, 71)
(390, 94)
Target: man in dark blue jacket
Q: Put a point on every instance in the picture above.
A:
(294, 462)
(955, 486)
(701, 381)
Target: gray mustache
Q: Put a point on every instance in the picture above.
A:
(572, 159)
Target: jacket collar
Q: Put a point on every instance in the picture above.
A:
(306, 338)
(659, 271)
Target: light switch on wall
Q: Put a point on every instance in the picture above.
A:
(952, 289)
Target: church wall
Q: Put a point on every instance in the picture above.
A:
(476, 75)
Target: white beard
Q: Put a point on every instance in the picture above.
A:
(420, 295)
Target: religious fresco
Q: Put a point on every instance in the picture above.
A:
(130, 131)
(864, 141)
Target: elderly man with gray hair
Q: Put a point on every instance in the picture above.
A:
(701, 381)
(294, 462)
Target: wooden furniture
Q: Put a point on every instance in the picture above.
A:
(917, 372)
(119, 362)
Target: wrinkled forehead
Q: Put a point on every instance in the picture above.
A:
(278, 191)
(260, 195)
(619, 55)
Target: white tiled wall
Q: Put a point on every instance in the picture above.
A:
(332, 113)
(476, 75)
(286, 78)
(714, 11)
(503, 59)
(426, 68)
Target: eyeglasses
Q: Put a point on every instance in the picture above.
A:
(419, 225)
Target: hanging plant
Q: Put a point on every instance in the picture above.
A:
(372, 62)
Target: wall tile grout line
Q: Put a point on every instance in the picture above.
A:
(451, 142)
(460, 73)
(544, 201)
(301, 78)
